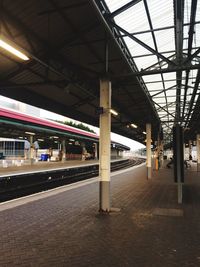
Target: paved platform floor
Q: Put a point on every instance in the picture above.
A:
(65, 229)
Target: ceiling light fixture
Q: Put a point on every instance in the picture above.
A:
(144, 132)
(133, 125)
(30, 133)
(13, 50)
(114, 112)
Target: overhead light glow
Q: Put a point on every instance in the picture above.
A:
(133, 125)
(144, 132)
(30, 133)
(40, 139)
(13, 50)
(114, 112)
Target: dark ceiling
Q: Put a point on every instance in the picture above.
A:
(71, 47)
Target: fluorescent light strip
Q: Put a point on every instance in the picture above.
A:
(133, 125)
(30, 133)
(113, 112)
(12, 50)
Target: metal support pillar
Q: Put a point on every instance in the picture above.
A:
(198, 152)
(148, 149)
(190, 148)
(104, 145)
(178, 160)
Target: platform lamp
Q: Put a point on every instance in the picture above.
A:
(12, 48)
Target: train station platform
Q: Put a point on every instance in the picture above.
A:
(44, 165)
(62, 227)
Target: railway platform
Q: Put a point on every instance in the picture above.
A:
(62, 227)
(43, 166)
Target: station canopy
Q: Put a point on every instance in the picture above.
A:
(149, 49)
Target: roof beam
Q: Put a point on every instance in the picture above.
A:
(155, 44)
(123, 8)
(171, 63)
(190, 40)
(102, 11)
(196, 87)
(164, 90)
(151, 72)
(164, 109)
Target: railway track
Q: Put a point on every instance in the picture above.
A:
(24, 184)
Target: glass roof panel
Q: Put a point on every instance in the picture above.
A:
(133, 19)
(187, 11)
(198, 11)
(196, 41)
(165, 15)
(150, 78)
(165, 44)
(145, 62)
(134, 47)
(155, 86)
(115, 4)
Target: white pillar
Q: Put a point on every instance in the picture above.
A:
(63, 151)
(31, 156)
(161, 153)
(198, 152)
(95, 151)
(104, 145)
(148, 149)
(184, 157)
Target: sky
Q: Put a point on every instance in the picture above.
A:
(134, 145)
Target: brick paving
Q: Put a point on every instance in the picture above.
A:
(66, 229)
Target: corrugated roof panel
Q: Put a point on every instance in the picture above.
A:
(165, 40)
(198, 11)
(196, 41)
(133, 19)
(115, 4)
(161, 14)
(168, 76)
(134, 47)
(150, 78)
(187, 10)
(145, 62)
(155, 86)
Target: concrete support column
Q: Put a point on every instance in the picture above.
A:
(161, 153)
(63, 151)
(198, 152)
(31, 156)
(95, 151)
(190, 148)
(104, 145)
(148, 149)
